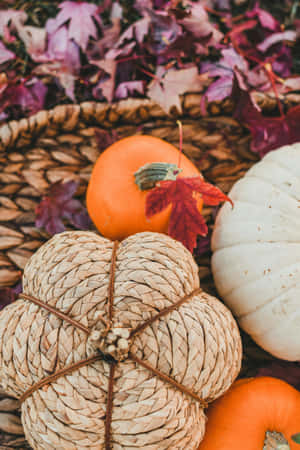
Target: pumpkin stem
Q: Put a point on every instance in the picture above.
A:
(148, 175)
(275, 441)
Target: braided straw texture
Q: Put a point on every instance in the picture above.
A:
(60, 145)
(198, 345)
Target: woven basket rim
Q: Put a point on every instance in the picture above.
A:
(33, 125)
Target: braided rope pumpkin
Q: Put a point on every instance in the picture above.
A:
(182, 346)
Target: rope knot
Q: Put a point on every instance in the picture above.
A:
(113, 340)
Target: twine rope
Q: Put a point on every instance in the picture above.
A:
(55, 311)
(109, 405)
(169, 380)
(110, 391)
(101, 356)
(59, 373)
(164, 312)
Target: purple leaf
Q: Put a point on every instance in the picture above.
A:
(11, 19)
(197, 22)
(290, 84)
(223, 5)
(105, 138)
(33, 96)
(143, 5)
(287, 371)
(81, 25)
(268, 133)
(106, 86)
(162, 4)
(258, 79)
(265, 18)
(116, 11)
(274, 38)
(58, 43)
(283, 62)
(138, 30)
(58, 205)
(217, 91)
(64, 192)
(225, 67)
(17, 289)
(7, 296)
(203, 245)
(125, 50)
(62, 61)
(97, 49)
(128, 88)
(164, 31)
(168, 85)
(30, 96)
(5, 54)
(225, 70)
(34, 39)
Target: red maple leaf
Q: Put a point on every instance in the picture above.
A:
(268, 133)
(186, 221)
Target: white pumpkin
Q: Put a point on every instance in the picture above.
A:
(256, 259)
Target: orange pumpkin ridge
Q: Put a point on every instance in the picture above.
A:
(114, 202)
(240, 419)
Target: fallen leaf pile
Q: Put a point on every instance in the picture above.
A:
(56, 52)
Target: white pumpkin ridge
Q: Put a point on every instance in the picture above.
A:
(256, 252)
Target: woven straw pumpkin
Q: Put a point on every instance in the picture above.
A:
(154, 347)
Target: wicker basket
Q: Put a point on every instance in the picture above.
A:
(60, 145)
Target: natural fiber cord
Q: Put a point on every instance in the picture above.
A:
(197, 345)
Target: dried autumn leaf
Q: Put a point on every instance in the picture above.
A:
(186, 221)
(203, 245)
(168, 85)
(9, 295)
(6, 297)
(59, 204)
(5, 54)
(128, 88)
(80, 16)
(106, 86)
(105, 138)
(225, 69)
(34, 39)
(198, 23)
(28, 95)
(274, 38)
(11, 19)
(164, 31)
(268, 133)
(265, 18)
(61, 60)
(285, 370)
(97, 48)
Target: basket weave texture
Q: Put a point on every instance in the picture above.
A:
(197, 345)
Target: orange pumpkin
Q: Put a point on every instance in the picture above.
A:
(114, 201)
(242, 418)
